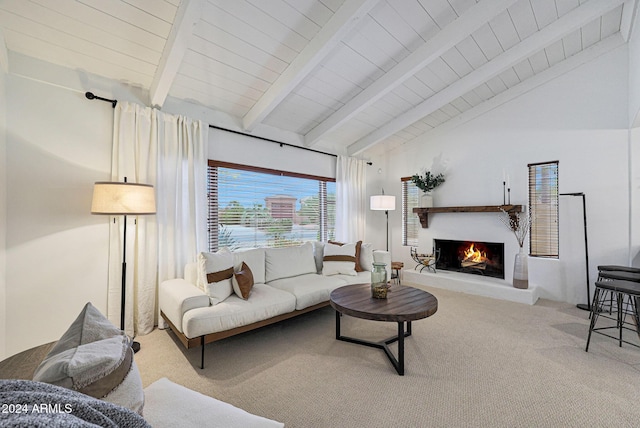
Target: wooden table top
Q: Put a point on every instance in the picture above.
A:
(22, 365)
(403, 303)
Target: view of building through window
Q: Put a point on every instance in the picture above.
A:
(264, 208)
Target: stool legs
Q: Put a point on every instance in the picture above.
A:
(604, 296)
(594, 314)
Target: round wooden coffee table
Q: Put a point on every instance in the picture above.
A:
(403, 305)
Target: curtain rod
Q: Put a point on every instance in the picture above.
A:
(91, 96)
(272, 141)
(276, 142)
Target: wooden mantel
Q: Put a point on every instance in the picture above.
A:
(424, 212)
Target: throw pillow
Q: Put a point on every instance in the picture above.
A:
(339, 259)
(216, 269)
(359, 267)
(95, 358)
(243, 281)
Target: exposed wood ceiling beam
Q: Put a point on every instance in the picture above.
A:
(551, 33)
(474, 18)
(329, 36)
(626, 23)
(187, 16)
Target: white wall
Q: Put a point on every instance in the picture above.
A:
(58, 145)
(579, 119)
(3, 211)
(634, 145)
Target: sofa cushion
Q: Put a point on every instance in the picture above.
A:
(360, 278)
(243, 282)
(339, 259)
(95, 358)
(309, 289)
(366, 257)
(254, 258)
(289, 261)
(216, 271)
(265, 302)
(318, 254)
(172, 405)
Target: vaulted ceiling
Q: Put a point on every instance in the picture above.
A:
(346, 76)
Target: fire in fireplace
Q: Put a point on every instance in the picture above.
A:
(473, 257)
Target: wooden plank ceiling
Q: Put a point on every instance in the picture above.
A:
(347, 76)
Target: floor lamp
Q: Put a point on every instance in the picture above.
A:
(115, 198)
(384, 203)
(582, 306)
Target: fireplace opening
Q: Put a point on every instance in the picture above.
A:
(472, 257)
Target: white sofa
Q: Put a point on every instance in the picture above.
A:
(286, 282)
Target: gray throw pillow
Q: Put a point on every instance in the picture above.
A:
(94, 357)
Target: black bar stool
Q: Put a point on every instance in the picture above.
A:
(609, 272)
(626, 295)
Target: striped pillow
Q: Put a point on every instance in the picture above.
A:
(339, 259)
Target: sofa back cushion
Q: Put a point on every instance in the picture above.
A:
(289, 261)
(366, 257)
(254, 258)
(318, 254)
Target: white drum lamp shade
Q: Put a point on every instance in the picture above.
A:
(114, 198)
(383, 203)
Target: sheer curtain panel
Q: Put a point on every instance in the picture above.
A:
(167, 151)
(351, 199)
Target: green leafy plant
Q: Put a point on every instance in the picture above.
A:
(427, 181)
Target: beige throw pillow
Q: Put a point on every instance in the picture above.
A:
(216, 270)
(359, 267)
(339, 259)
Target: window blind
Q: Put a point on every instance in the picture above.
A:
(543, 208)
(410, 221)
(258, 207)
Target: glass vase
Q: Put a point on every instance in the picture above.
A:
(521, 270)
(379, 285)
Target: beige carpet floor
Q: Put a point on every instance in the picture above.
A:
(478, 362)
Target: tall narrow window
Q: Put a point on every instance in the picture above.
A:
(259, 207)
(410, 221)
(543, 208)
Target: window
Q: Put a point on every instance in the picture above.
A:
(410, 221)
(543, 208)
(259, 207)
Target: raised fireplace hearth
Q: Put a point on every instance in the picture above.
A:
(471, 257)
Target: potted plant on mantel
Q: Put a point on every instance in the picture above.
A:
(427, 182)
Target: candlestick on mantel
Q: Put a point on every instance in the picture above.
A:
(504, 192)
(509, 193)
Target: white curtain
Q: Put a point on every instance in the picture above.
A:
(167, 151)
(351, 199)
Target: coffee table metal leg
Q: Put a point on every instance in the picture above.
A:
(398, 363)
(400, 366)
